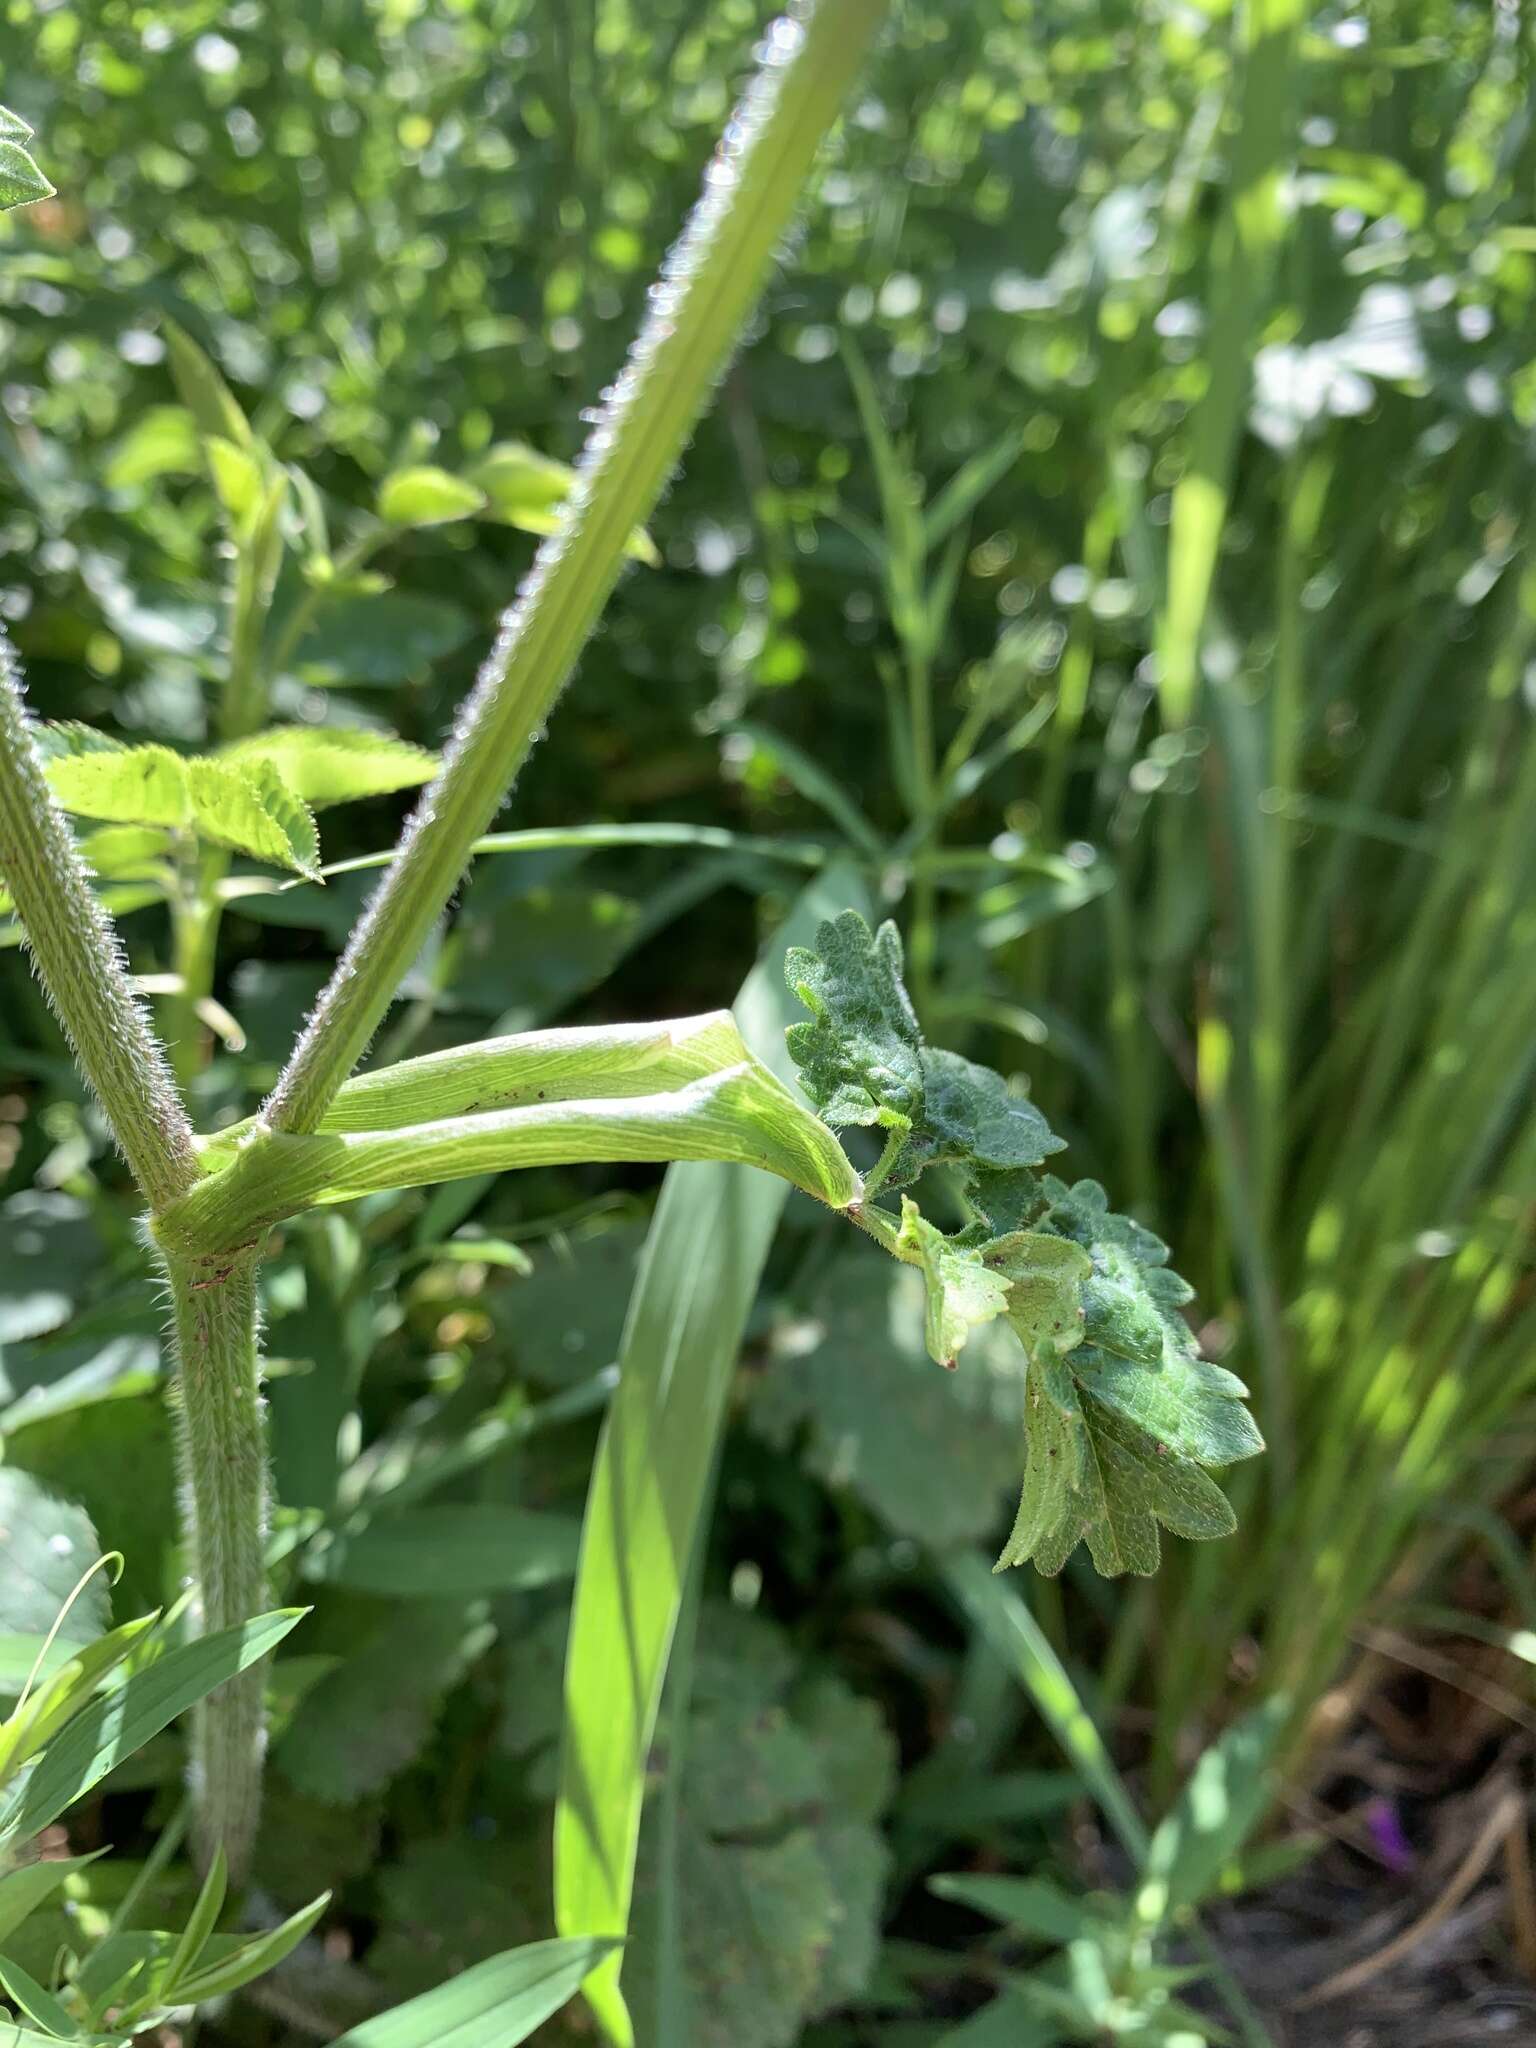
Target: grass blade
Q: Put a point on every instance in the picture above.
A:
(494, 2005)
(1242, 266)
(703, 1259)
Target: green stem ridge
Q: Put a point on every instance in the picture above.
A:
(80, 962)
(223, 1471)
(707, 289)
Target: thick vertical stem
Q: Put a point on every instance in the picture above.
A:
(709, 285)
(222, 1459)
(80, 963)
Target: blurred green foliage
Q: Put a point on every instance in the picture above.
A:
(1272, 970)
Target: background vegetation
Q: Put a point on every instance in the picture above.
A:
(1112, 551)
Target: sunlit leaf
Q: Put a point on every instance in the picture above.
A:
(333, 764)
(525, 489)
(426, 496)
(246, 805)
(96, 776)
(494, 2005)
(98, 1739)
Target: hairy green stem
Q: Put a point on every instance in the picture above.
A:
(222, 1461)
(80, 963)
(708, 287)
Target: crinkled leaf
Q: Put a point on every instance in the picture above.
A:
(1045, 1277)
(779, 1862)
(1122, 1415)
(860, 1056)
(1141, 1486)
(365, 1721)
(974, 1115)
(1120, 1430)
(248, 806)
(329, 764)
(962, 1291)
(95, 776)
(1052, 1511)
(1193, 1408)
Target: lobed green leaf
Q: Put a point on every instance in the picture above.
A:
(328, 764)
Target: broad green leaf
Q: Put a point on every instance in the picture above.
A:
(426, 496)
(522, 488)
(708, 1244)
(460, 1549)
(962, 1291)
(932, 1454)
(125, 852)
(46, 1546)
(780, 1867)
(331, 764)
(161, 442)
(250, 1958)
(98, 777)
(24, 1889)
(860, 1056)
(39, 2005)
(203, 391)
(247, 805)
(365, 1721)
(20, 179)
(114, 1727)
(496, 2004)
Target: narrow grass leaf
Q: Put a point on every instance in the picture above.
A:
(495, 2005)
(114, 1727)
(703, 1259)
(1001, 1616)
